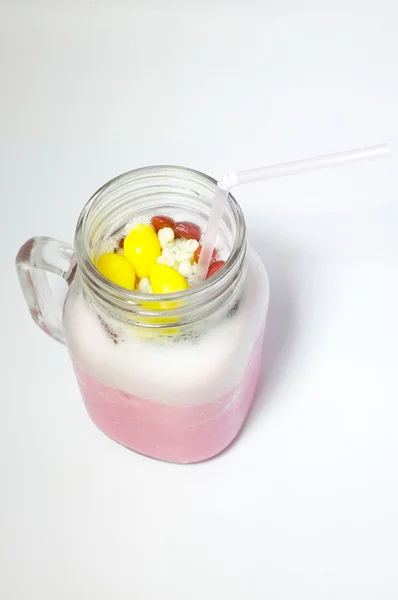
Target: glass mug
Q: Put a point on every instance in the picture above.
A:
(172, 377)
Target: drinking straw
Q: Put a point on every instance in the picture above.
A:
(230, 180)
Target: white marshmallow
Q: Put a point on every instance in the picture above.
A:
(144, 286)
(168, 253)
(165, 235)
(191, 246)
(182, 256)
(185, 268)
(164, 260)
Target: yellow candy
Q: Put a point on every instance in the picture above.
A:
(117, 269)
(166, 280)
(142, 248)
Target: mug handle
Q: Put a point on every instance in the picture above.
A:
(37, 257)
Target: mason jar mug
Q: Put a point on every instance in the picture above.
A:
(170, 376)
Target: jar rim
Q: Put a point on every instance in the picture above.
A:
(132, 298)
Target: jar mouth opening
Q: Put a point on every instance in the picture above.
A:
(132, 298)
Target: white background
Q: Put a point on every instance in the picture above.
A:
(305, 504)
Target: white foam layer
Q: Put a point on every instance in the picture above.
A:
(184, 372)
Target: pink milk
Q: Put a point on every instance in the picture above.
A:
(180, 434)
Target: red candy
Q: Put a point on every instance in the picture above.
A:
(197, 255)
(188, 230)
(216, 266)
(159, 222)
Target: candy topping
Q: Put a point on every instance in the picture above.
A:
(160, 222)
(117, 269)
(188, 230)
(214, 267)
(142, 248)
(159, 258)
(166, 280)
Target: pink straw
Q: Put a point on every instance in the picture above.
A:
(261, 174)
